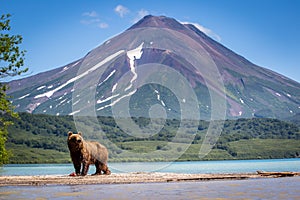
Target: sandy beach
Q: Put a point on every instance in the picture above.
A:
(129, 178)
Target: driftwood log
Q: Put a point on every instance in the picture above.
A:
(278, 174)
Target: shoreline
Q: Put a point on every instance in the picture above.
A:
(134, 177)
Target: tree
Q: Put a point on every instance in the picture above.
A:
(11, 62)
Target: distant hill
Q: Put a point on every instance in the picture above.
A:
(42, 138)
(113, 72)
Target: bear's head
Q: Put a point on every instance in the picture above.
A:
(75, 141)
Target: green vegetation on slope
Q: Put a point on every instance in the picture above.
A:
(42, 139)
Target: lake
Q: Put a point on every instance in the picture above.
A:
(228, 166)
(263, 188)
(269, 188)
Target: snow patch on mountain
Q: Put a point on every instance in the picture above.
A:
(64, 69)
(68, 67)
(117, 100)
(60, 103)
(133, 55)
(107, 99)
(41, 87)
(242, 101)
(107, 59)
(111, 73)
(278, 94)
(22, 97)
(114, 87)
(74, 112)
(32, 106)
(158, 98)
(76, 102)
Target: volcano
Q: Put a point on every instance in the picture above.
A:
(163, 68)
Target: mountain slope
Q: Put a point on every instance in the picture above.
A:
(116, 74)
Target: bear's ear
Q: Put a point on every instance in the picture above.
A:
(79, 133)
(70, 133)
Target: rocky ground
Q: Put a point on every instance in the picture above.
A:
(127, 178)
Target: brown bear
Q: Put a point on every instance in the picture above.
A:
(86, 153)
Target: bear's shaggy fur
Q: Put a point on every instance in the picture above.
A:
(86, 153)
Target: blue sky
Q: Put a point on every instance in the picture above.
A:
(57, 32)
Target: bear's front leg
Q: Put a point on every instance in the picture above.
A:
(77, 166)
(85, 168)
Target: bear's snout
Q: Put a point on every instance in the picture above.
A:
(76, 140)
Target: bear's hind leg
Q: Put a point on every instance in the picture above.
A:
(98, 168)
(105, 169)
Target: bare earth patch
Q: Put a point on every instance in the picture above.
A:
(125, 178)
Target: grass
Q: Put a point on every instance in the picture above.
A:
(265, 148)
(22, 155)
(158, 151)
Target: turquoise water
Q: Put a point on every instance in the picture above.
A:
(232, 166)
(264, 188)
